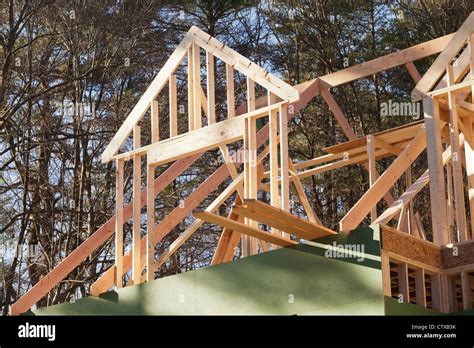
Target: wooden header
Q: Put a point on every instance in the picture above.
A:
(412, 249)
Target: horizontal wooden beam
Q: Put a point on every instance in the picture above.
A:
(282, 220)
(206, 138)
(466, 85)
(196, 141)
(245, 229)
(391, 136)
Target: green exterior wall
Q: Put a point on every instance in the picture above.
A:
(293, 280)
(393, 307)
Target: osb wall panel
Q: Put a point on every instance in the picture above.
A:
(403, 244)
(459, 255)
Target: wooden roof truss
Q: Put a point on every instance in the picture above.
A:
(257, 226)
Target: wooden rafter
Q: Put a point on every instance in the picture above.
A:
(282, 220)
(150, 94)
(384, 183)
(243, 228)
(438, 68)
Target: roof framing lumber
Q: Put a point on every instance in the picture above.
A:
(146, 99)
(387, 62)
(461, 67)
(245, 229)
(413, 71)
(438, 68)
(244, 65)
(225, 194)
(414, 189)
(202, 135)
(306, 91)
(437, 184)
(282, 220)
(183, 237)
(384, 183)
(459, 87)
(461, 224)
(309, 89)
(228, 237)
(391, 136)
(196, 141)
(190, 46)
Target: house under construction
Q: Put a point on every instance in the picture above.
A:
(290, 264)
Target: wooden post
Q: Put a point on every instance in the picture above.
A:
(119, 223)
(403, 282)
(284, 173)
(273, 129)
(469, 156)
(420, 287)
(245, 239)
(468, 149)
(190, 90)
(458, 181)
(197, 86)
(173, 106)
(440, 292)
(251, 159)
(466, 290)
(410, 212)
(136, 237)
(155, 122)
(252, 130)
(229, 73)
(372, 170)
(253, 175)
(437, 185)
(274, 144)
(285, 180)
(150, 210)
(452, 298)
(449, 201)
(211, 92)
(436, 292)
(385, 265)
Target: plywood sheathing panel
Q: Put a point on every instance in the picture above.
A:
(410, 247)
(460, 254)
